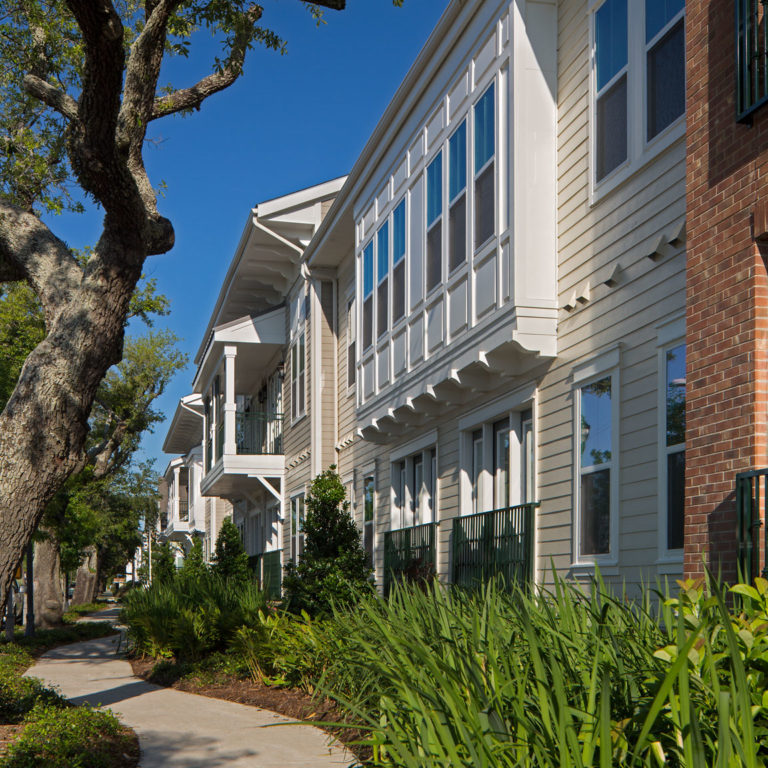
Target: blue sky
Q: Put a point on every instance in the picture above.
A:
(291, 121)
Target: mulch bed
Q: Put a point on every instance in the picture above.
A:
(289, 702)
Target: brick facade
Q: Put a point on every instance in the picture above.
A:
(727, 289)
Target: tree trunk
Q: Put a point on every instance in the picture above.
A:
(49, 589)
(85, 581)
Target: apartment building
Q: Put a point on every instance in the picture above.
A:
(484, 325)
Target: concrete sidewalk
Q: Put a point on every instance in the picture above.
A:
(180, 729)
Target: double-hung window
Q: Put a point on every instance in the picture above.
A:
(415, 487)
(457, 196)
(298, 376)
(674, 444)
(351, 342)
(369, 515)
(382, 279)
(596, 475)
(435, 222)
(639, 78)
(485, 166)
(368, 296)
(297, 527)
(398, 262)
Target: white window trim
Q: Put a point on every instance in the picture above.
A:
(424, 450)
(352, 324)
(294, 495)
(296, 415)
(639, 151)
(669, 335)
(585, 374)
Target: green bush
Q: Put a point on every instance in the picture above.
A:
(230, 560)
(190, 616)
(333, 569)
(194, 562)
(73, 737)
(19, 695)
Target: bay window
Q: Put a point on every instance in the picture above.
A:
(485, 176)
(457, 197)
(398, 262)
(382, 277)
(435, 222)
(368, 296)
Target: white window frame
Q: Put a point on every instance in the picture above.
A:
(607, 365)
(669, 335)
(418, 508)
(296, 537)
(350, 306)
(370, 472)
(296, 375)
(640, 151)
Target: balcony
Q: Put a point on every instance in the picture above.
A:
(246, 459)
(409, 554)
(496, 543)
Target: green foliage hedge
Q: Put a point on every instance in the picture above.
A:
(71, 737)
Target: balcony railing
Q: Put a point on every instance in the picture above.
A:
(259, 433)
(268, 570)
(751, 57)
(751, 506)
(494, 543)
(409, 554)
(184, 510)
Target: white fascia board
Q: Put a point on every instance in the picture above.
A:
(299, 199)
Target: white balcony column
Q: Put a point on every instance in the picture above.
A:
(176, 516)
(230, 404)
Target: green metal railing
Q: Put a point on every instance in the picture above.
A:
(751, 56)
(268, 570)
(259, 433)
(494, 543)
(409, 553)
(751, 506)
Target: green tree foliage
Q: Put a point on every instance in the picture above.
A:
(333, 568)
(163, 563)
(230, 560)
(194, 562)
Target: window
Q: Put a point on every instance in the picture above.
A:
(751, 52)
(415, 489)
(477, 471)
(369, 514)
(528, 457)
(382, 277)
(398, 262)
(435, 222)
(501, 477)
(485, 177)
(457, 196)
(639, 77)
(595, 467)
(297, 527)
(368, 296)
(674, 444)
(351, 338)
(298, 376)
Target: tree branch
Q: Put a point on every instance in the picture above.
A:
(62, 102)
(29, 250)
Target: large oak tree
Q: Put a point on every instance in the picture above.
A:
(79, 83)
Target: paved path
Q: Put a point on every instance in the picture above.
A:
(183, 730)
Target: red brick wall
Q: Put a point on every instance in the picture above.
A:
(727, 290)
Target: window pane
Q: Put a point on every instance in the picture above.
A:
(398, 233)
(675, 499)
(658, 13)
(666, 80)
(368, 543)
(485, 206)
(302, 354)
(382, 248)
(457, 232)
(611, 139)
(418, 488)
(435, 189)
(368, 269)
(457, 177)
(351, 366)
(676, 395)
(382, 311)
(596, 423)
(368, 499)
(596, 512)
(610, 40)
(501, 464)
(368, 322)
(477, 470)
(434, 256)
(484, 128)
(398, 291)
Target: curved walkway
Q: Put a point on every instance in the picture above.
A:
(183, 730)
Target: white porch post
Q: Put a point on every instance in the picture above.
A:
(176, 494)
(230, 405)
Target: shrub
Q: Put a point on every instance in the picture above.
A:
(163, 563)
(73, 737)
(194, 562)
(19, 695)
(230, 560)
(333, 568)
